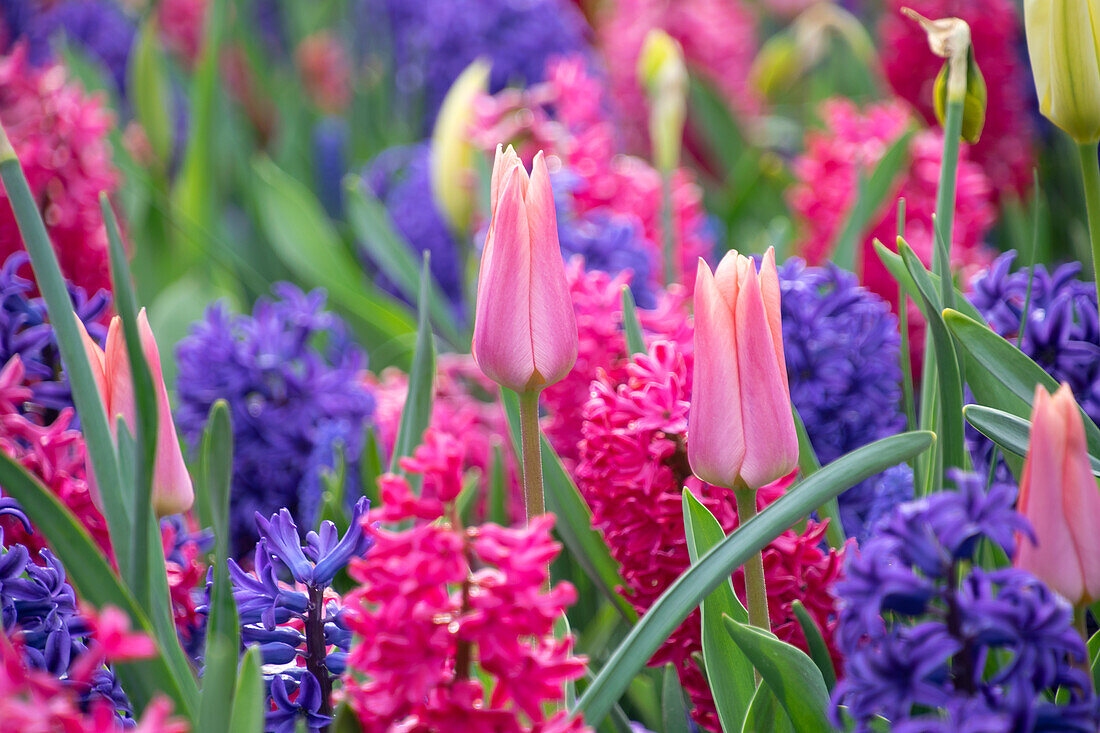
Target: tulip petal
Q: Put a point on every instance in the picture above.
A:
(1080, 495)
(769, 290)
(771, 445)
(553, 322)
(716, 435)
(504, 162)
(1074, 96)
(120, 386)
(95, 360)
(502, 345)
(726, 277)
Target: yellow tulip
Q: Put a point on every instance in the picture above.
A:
(1063, 41)
(452, 156)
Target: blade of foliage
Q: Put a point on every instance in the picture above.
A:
(91, 576)
(344, 720)
(1008, 431)
(898, 270)
(304, 239)
(417, 413)
(687, 591)
(872, 197)
(674, 714)
(223, 632)
(388, 249)
(89, 404)
(249, 702)
(635, 341)
(729, 671)
(1008, 366)
(819, 652)
(808, 464)
(150, 91)
(766, 713)
(574, 518)
(711, 116)
(789, 674)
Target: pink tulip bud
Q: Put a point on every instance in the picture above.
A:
(1059, 496)
(172, 489)
(740, 427)
(525, 332)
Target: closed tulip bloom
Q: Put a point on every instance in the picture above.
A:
(740, 428)
(452, 153)
(172, 489)
(525, 332)
(1063, 42)
(1059, 497)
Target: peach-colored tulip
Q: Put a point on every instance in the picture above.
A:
(172, 489)
(740, 427)
(1059, 496)
(525, 332)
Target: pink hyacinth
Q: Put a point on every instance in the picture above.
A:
(437, 598)
(718, 38)
(53, 453)
(632, 468)
(60, 137)
(326, 71)
(827, 176)
(182, 24)
(1006, 148)
(565, 116)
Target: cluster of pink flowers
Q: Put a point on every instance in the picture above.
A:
(566, 117)
(32, 701)
(853, 142)
(437, 599)
(182, 24)
(1005, 149)
(718, 38)
(633, 466)
(60, 136)
(326, 71)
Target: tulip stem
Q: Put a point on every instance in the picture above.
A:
(1080, 614)
(668, 231)
(532, 453)
(755, 590)
(1090, 171)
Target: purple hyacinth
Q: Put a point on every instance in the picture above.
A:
(926, 648)
(283, 608)
(330, 163)
(293, 381)
(101, 28)
(25, 330)
(24, 21)
(431, 41)
(841, 344)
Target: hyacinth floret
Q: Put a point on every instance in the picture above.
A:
(920, 633)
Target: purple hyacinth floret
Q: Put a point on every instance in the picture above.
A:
(325, 552)
(931, 640)
(293, 381)
(101, 28)
(430, 42)
(841, 345)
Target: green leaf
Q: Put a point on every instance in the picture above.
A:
(894, 264)
(370, 467)
(574, 518)
(792, 676)
(872, 196)
(809, 465)
(766, 714)
(729, 672)
(1094, 657)
(819, 652)
(635, 341)
(371, 223)
(302, 236)
(497, 487)
(697, 582)
(417, 412)
(674, 714)
(1009, 367)
(249, 699)
(223, 632)
(91, 576)
(150, 90)
(1009, 432)
(344, 720)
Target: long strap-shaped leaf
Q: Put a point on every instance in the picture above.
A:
(697, 582)
(417, 413)
(1008, 431)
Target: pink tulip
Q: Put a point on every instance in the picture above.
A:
(525, 332)
(1059, 496)
(740, 427)
(172, 489)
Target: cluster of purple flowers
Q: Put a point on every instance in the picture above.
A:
(25, 331)
(39, 607)
(932, 639)
(296, 623)
(294, 383)
(842, 346)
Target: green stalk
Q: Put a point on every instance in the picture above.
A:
(755, 590)
(667, 231)
(532, 453)
(945, 192)
(1091, 175)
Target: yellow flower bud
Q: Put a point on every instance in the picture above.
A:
(974, 103)
(1063, 41)
(452, 155)
(777, 66)
(661, 70)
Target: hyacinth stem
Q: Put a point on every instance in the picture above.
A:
(1091, 174)
(532, 453)
(755, 589)
(667, 231)
(315, 647)
(945, 191)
